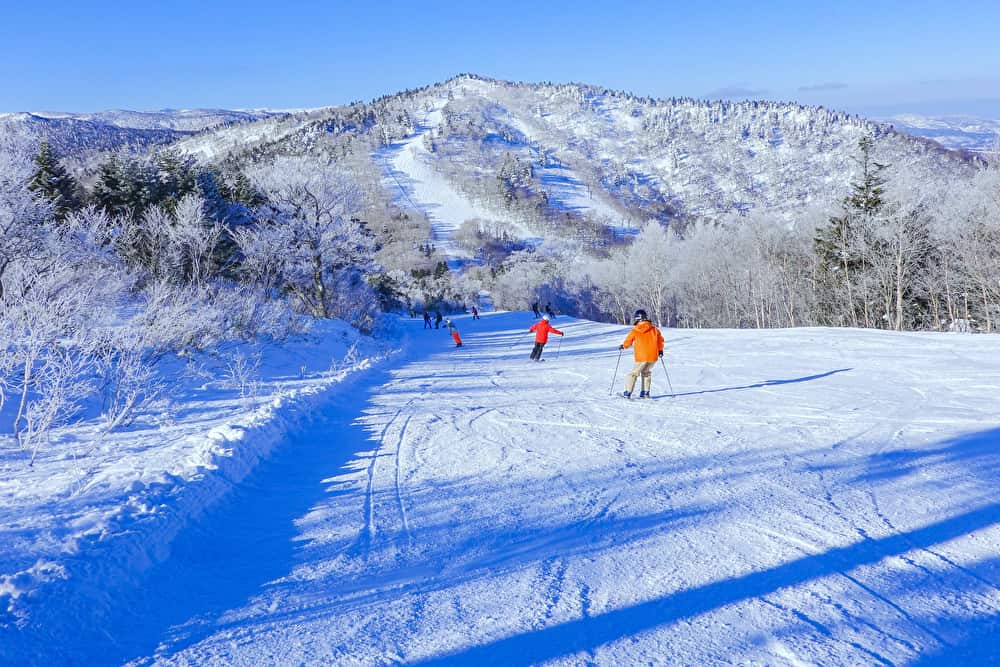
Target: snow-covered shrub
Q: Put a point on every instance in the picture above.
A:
(128, 381)
(242, 374)
(46, 311)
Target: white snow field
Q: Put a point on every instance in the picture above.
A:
(805, 497)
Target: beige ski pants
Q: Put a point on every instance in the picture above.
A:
(643, 368)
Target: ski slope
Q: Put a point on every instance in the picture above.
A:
(807, 496)
(410, 173)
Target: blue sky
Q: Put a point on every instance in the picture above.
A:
(873, 57)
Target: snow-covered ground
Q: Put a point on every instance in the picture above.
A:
(80, 528)
(808, 496)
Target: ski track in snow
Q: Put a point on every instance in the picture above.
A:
(808, 496)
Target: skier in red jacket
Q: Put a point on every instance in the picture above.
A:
(542, 328)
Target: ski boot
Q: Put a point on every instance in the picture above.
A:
(627, 394)
(644, 394)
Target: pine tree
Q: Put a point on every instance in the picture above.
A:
(110, 190)
(175, 177)
(839, 245)
(52, 181)
(868, 194)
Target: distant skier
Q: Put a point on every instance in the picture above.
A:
(454, 332)
(437, 319)
(648, 348)
(535, 310)
(475, 313)
(427, 320)
(542, 329)
(548, 311)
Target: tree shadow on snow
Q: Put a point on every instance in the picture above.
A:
(765, 383)
(588, 633)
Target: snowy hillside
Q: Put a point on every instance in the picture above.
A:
(182, 120)
(82, 524)
(557, 155)
(807, 496)
(71, 136)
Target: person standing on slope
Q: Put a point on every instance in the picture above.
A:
(648, 348)
(427, 320)
(542, 329)
(454, 332)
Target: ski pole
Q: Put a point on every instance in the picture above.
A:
(668, 376)
(615, 377)
(559, 347)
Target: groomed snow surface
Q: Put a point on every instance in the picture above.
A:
(805, 497)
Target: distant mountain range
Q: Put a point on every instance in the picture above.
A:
(181, 120)
(955, 132)
(73, 134)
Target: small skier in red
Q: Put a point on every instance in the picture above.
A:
(542, 329)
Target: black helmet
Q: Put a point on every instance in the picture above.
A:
(639, 316)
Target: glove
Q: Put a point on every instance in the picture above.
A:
(621, 347)
(661, 354)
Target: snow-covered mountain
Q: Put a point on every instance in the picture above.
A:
(75, 135)
(538, 160)
(539, 154)
(70, 136)
(955, 132)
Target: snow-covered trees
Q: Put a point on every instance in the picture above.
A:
(966, 273)
(315, 247)
(52, 181)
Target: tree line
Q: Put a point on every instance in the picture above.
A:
(905, 250)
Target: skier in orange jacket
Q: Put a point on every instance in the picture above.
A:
(542, 329)
(648, 348)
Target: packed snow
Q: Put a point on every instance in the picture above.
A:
(806, 496)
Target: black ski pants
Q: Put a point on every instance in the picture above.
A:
(536, 352)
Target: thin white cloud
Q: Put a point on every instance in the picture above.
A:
(736, 92)
(822, 87)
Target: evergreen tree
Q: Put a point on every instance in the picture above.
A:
(175, 178)
(868, 194)
(840, 246)
(52, 181)
(110, 190)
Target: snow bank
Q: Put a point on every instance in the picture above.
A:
(82, 525)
